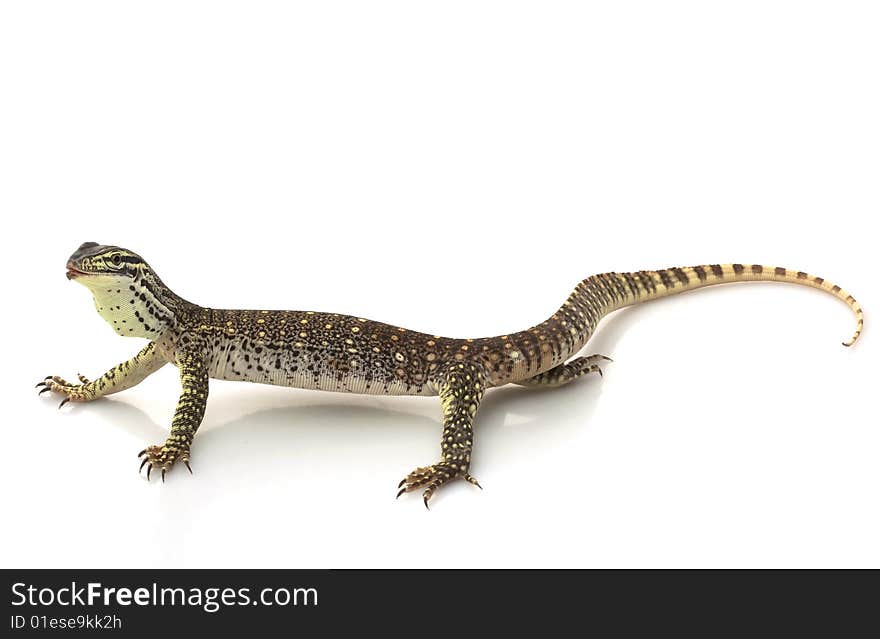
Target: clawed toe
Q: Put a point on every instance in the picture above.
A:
(72, 392)
(162, 458)
(431, 478)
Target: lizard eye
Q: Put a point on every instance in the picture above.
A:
(116, 261)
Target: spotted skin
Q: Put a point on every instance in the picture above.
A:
(118, 378)
(335, 352)
(189, 413)
(461, 391)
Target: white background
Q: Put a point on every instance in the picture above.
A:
(453, 168)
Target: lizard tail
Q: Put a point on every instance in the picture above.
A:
(521, 356)
(624, 289)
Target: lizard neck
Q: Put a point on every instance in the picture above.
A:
(140, 306)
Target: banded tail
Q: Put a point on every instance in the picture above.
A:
(625, 289)
(521, 356)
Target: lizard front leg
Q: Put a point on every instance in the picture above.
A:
(187, 417)
(461, 391)
(118, 378)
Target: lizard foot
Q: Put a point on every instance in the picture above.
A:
(72, 392)
(431, 478)
(163, 457)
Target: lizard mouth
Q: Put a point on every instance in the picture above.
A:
(73, 272)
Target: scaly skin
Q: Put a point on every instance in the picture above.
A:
(328, 351)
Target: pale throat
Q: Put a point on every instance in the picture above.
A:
(130, 313)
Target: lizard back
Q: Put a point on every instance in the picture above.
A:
(335, 352)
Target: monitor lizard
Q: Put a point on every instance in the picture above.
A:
(334, 352)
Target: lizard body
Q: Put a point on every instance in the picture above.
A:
(334, 352)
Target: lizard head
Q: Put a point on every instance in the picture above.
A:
(128, 294)
(92, 263)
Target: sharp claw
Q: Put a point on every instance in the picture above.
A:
(149, 469)
(47, 378)
(43, 391)
(63, 402)
(402, 490)
(43, 383)
(141, 467)
(426, 502)
(599, 370)
(402, 482)
(163, 475)
(186, 463)
(606, 358)
(142, 452)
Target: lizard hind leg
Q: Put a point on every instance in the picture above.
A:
(566, 373)
(461, 391)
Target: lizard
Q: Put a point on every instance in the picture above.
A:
(335, 352)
